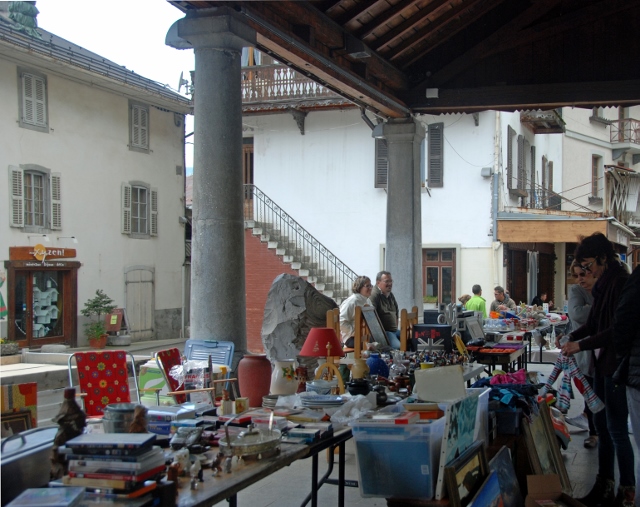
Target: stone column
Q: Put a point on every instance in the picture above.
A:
(218, 300)
(403, 256)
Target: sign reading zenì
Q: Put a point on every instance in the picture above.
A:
(40, 252)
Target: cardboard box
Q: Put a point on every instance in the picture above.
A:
(547, 487)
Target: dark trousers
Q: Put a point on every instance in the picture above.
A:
(613, 435)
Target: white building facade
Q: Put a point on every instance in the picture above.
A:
(93, 156)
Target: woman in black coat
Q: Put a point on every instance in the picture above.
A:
(596, 255)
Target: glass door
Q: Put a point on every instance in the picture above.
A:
(439, 277)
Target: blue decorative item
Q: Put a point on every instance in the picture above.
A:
(377, 365)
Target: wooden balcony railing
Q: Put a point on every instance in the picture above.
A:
(265, 83)
(626, 130)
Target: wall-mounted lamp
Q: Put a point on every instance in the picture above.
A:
(184, 220)
(75, 240)
(43, 237)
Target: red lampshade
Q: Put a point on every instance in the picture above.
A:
(322, 342)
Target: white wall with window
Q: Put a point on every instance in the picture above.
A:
(65, 177)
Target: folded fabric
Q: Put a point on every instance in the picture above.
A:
(519, 377)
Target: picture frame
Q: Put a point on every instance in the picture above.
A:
(15, 422)
(465, 475)
(374, 325)
(502, 465)
(543, 448)
(489, 494)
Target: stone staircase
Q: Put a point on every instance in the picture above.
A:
(320, 277)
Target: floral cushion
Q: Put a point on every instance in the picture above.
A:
(104, 378)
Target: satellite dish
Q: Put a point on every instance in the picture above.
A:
(182, 82)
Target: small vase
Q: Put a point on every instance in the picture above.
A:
(283, 378)
(377, 365)
(254, 377)
(360, 369)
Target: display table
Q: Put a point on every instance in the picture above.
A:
(244, 474)
(509, 361)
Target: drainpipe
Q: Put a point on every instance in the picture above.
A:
(495, 195)
(182, 332)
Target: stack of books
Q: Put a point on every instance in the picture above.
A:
(119, 462)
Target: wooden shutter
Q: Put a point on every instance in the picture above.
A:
(436, 155)
(521, 176)
(510, 134)
(34, 108)
(545, 178)
(154, 212)
(532, 196)
(382, 164)
(125, 226)
(16, 189)
(56, 202)
(139, 127)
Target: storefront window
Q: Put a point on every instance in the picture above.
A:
(43, 289)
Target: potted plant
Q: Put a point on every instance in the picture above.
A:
(8, 348)
(95, 308)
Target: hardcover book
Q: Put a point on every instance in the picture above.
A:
(48, 497)
(112, 443)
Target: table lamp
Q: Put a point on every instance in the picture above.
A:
(323, 342)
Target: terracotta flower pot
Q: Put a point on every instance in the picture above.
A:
(254, 377)
(98, 343)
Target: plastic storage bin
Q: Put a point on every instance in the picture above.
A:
(398, 461)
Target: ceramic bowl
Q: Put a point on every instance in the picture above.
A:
(319, 386)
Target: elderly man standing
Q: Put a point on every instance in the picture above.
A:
(477, 303)
(386, 306)
(502, 302)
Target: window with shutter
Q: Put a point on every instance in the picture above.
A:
(16, 189)
(382, 164)
(510, 173)
(521, 171)
(138, 127)
(33, 101)
(56, 202)
(126, 209)
(435, 168)
(154, 212)
(545, 179)
(533, 192)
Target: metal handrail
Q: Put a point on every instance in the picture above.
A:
(297, 241)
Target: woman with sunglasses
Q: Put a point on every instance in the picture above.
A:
(595, 255)
(580, 302)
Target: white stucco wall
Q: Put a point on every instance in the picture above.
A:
(88, 144)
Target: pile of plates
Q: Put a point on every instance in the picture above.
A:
(270, 400)
(322, 401)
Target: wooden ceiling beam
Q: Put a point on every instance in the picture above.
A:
(348, 16)
(539, 96)
(383, 18)
(528, 16)
(403, 28)
(431, 30)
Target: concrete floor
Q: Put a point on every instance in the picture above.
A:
(289, 486)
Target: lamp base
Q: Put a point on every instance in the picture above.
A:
(332, 369)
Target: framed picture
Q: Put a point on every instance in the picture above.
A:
(465, 475)
(489, 494)
(15, 422)
(543, 447)
(502, 465)
(375, 326)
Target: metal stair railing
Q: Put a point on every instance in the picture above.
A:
(306, 249)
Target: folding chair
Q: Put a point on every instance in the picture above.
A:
(167, 359)
(103, 378)
(407, 321)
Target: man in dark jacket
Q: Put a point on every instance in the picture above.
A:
(626, 340)
(386, 307)
(595, 254)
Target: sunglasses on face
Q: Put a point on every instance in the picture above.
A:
(586, 268)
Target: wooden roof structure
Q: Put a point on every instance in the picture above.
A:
(399, 57)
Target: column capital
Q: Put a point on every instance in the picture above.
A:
(219, 27)
(399, 130)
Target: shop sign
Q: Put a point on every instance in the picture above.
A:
(40, 253)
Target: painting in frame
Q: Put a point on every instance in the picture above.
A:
(489, 494)
(543, 447)
(15, 422)
(465, 475)
(502, 465)
(375, 326)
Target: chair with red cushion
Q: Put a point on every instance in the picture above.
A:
(103, 378)
(167, 359)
